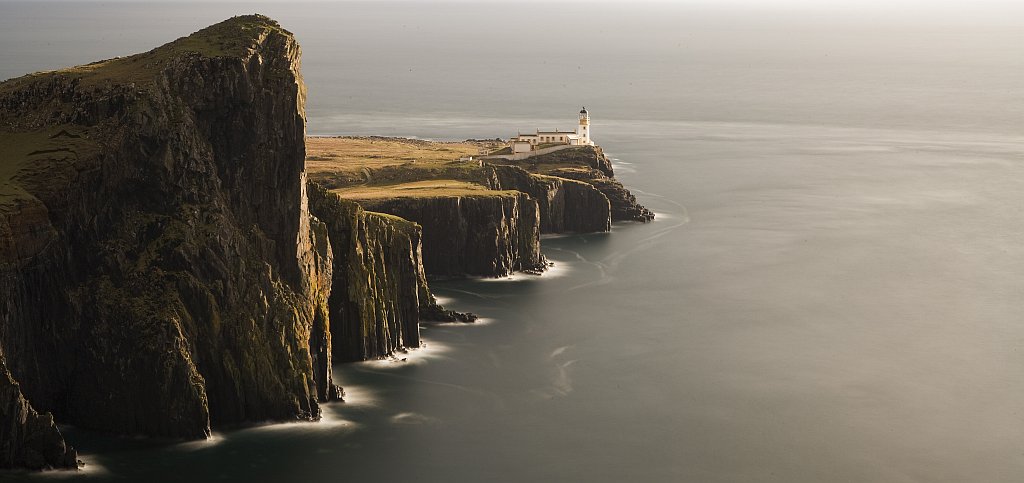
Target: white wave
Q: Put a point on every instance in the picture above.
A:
(557, 352)
(482, 321)
(91, 468)
(355, 395)
(427, 351)
(556, 270)
(215, 439)
(412, 418)
(443, 300)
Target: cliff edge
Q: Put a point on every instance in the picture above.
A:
(590, 165)
(159, 270)
(477, 219)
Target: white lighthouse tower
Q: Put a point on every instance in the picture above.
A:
(584, 128)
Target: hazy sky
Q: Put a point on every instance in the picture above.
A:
(805, 3)
(932, 6)
(935, 7)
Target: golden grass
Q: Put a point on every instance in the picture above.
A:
(433, 188)
(332, 154)
(376, 168)
(348, 162)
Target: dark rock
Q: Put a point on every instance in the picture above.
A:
(623, 203)
(491, 234)
(566, 205)
(437, 313)
(161, 273)
(590, 165)
(28, 439)
(378, 278)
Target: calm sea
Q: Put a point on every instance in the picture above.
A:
(833, 290)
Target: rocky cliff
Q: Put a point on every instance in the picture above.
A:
(159, 270)
(378, 278)
(565, 205)
(489, 234)
(165, 267)
(470, 212)
(588, 164)
(30, 439)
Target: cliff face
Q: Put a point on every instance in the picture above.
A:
(159, 271)
(491, 234)
(378, 278)
(624, 206)
(565, 205)
(30, 439)
(590, 165)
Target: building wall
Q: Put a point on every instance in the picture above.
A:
(521, 147)
(521, 156)
(554, 138)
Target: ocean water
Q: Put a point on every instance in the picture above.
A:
(833, 289)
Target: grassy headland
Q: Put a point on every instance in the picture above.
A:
(381, 167)
(230, 38)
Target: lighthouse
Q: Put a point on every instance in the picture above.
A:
(524, 144)
(584, 128)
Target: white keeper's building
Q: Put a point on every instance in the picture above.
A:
(524, 143)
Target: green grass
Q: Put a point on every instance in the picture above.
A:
(234, 37)
(37, 161)
(391, 218)
(549, 145)
(32, 160)
(574, 158)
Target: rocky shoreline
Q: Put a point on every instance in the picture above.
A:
(166, 267)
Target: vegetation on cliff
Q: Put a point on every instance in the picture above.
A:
(238, 38)
(159, 271)
(166, 267)
(471, 206)
(364, 168)
(377, 275)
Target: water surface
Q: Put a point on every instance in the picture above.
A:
(831, 291)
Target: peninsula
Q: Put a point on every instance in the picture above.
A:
(177, 256)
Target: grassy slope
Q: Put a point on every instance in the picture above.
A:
(230, 38)
(432, 188)
(551, 162)
(27, 159)
(30, 157)
(380, 167)
(376, 167)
